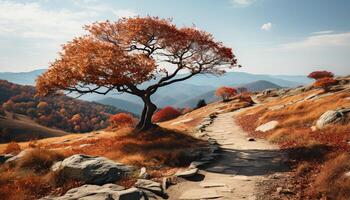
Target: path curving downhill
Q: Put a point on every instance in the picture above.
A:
(240, 166)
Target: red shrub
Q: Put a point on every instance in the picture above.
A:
(225, 92)
(325, 83)
(320, 74)
(121, 120)
(165, 114)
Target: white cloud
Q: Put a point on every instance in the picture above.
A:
(322, 32)
(241, 3)
(320, 41)
(31, 20)
(266, 26)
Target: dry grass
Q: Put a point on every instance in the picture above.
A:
(39, 160)
(159, 147)
(331, 181)
(30, 178)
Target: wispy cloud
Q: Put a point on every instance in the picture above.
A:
(241, 3)
(267, 26)
(320, 42)
(322, 32)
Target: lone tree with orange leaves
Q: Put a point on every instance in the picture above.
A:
(225, 93)
(120, 56)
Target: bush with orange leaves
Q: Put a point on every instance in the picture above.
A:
(12, 147)
(225, 92)
(121, 120)
(165, 114)
(325, 83)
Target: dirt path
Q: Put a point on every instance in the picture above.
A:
(238, 169)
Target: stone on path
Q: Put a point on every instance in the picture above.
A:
(92, 169)
(209, 184)
(149, 185)
(204, 193)
(187, 173)
(95, 192)
(267, 126)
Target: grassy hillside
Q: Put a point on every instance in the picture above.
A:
(58, 112)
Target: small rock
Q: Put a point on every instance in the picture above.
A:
(84, 145)
(279, 190)
(152, 186)
(143, 173)
(267, 126)
(196, 164)
(187, 173)
(165, 182)
(251, 139)
(347, 174)
(18, 156)
(5, 157)
(313, 128)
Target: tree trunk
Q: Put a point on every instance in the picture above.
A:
(147, 113)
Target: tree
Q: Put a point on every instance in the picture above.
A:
(325, 83)
(320, 74)
(120, 56)
(225, 92)
(121, 120)
(165, 114)
(201, 103)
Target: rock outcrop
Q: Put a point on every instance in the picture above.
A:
(331, 117)
(104, 192)
(92, 170)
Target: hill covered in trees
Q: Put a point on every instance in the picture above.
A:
(61, 112)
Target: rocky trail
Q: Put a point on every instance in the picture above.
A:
(239, 167)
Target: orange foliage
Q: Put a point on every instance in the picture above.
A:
(325, 82)
(121, 120)
(225, 92)
(124, 54)
(166, 114)
(12, 147)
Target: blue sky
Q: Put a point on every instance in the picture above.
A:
(268, 36)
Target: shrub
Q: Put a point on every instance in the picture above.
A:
(12, 147)
(325, 83)
(165, 114)
(121, 120)
(320, 74)
(201, 103)
(39, 160)
(225, 92)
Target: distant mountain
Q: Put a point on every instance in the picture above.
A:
(255, 86)
(120, 103)
(23, 78)
(200, 86)
(260, 85)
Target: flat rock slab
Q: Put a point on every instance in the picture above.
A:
(200, 194)
(209, 184)
(187, 173)
(267, 126)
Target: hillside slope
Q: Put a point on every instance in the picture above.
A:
(20, 128)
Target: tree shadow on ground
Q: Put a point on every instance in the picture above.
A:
(253, 162)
